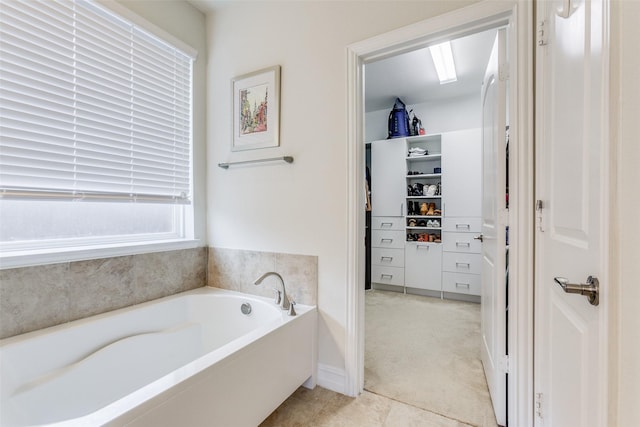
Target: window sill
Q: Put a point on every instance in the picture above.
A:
(60, 255)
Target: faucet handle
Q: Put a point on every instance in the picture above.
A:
(278, 296)
(292, 311)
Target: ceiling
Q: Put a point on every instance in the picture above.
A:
(412, 76)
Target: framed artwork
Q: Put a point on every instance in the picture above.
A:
(256, 109)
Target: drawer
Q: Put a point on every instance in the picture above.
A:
(393, 239)
(387, 275)
(387, 257)
(423, 265)
(387, 223)
(461, 242)
(457, 262)
(461, 283)
(461, 224)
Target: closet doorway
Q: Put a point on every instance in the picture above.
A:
(423, 335)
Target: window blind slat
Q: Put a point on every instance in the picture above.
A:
(91, 104)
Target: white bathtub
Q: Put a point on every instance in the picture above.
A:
(191, 359)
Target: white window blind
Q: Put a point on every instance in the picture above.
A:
(91, 106)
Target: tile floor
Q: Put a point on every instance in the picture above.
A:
(323, 408)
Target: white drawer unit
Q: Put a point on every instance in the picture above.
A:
(457, 262)
(423, 265)
(387, 275)
(387, 257)
(461, 283)
(392, 239)
(461, 242)
(462, 224)
(387, 223)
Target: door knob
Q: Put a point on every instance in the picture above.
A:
(479, 237)
(591, 290)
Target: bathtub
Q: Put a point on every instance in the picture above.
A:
(191, 359)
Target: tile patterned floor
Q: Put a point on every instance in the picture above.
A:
(324, 408)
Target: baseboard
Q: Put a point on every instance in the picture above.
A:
(331, 378)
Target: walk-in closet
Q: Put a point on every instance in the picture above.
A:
(432, 174)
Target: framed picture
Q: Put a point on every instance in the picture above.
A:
(256, 109)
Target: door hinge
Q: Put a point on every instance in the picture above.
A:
(538, 405)
(503, 217)
(504, 364)
(542, 33)
(539, 206)
(503, 71)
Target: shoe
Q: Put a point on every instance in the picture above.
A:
(438, 239)
(409, 237)
(424, 209)
(429, 223)
(435, 223)
(412, 222)
(430, 209)
(432, 237)
(437, 212)
(422, 223)
(431, 190)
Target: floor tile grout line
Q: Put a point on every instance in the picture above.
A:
(421, 409)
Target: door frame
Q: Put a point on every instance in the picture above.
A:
(518, 14)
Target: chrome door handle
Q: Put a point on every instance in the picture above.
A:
(591, 290)
(479, 237)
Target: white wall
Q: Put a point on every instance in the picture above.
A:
(188, 24)
(436, 116)
(299, 208)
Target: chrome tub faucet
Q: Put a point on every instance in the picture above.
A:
(282, 299)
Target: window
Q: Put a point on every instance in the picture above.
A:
(95, 130)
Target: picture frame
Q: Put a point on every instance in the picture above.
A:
(256, 109)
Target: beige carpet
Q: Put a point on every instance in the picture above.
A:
(426, 352)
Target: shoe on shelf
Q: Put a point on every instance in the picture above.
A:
(438, 239)
(412, 222)
(424, 209)
(431, 190)
(437, 212)
(430, 209)
(435, 223)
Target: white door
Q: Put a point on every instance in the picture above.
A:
(571, 184)
(493, 297)
(388, 177)
(461, 161)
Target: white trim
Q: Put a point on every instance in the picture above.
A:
(331, 378)
(46, 256)
(457, 23)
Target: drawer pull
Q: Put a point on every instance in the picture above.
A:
(467, 244)
(463, 264)
(386, 258)
(386, 276)
(462, 285)
(422, 247)
(467, 226)
(386, 240)
(386, 224)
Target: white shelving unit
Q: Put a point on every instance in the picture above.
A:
(404, 255)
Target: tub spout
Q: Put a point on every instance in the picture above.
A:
(284, 302)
